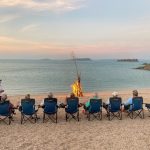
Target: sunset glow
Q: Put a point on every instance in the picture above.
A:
(90, 28)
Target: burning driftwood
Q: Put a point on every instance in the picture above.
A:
(76, 86)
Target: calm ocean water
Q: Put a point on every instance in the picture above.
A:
(41, 76)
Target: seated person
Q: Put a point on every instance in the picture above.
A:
(86, 106)
(129, 101)
(50, 98)
(71, 97)
(106, 104)
(11, 107)
(27, 98)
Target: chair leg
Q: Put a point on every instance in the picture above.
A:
(22, 118)
(9, 120)
(66, 117)
(101, 115)
(143, 113)
(109, 116)
(43, 117)
(78, 115)
(98, 116)
(35, 119)
(89, 117)
(131, 114)
(56, 117)
(120, 115)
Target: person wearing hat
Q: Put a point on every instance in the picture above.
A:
(128, 103)
(114, 95)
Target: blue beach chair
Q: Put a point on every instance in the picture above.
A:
(95, 109)
(136, 108)
(72, 110)
(114, 108)
(50, 110)
(5, 112)
(28, 111)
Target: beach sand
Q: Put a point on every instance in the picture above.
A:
(86, 135)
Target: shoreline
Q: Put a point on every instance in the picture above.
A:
(122, 90)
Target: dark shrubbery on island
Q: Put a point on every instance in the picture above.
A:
(128, 60)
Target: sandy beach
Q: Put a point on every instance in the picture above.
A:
(107, 135)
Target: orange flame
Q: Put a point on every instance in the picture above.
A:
(77, 88)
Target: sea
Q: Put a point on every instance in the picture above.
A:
(42, 76)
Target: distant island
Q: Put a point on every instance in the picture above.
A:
(45, 59)
(78, 59)
(127, 60)
(145, 66)
(82, 59)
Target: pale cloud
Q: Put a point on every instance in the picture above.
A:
(8, 17)
(49, 5)
(30, 27)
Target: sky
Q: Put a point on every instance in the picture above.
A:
(100, 29)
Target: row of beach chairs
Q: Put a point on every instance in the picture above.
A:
(29, 113)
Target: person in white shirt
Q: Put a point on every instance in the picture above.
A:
(106, 104)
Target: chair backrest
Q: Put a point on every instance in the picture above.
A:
(28, 106)
(95, 105)
(137, 103)
(72, 105)
(115, 104)
(5, 108)
(50, 105)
